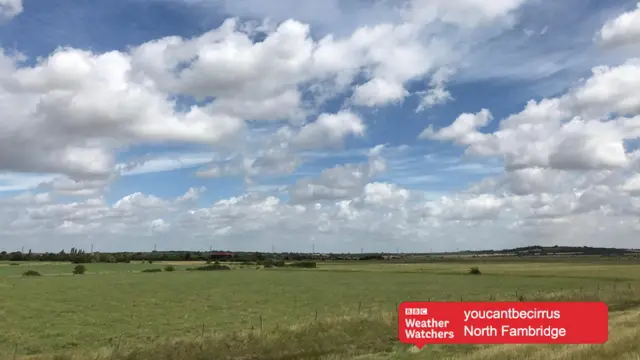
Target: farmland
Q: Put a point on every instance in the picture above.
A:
(340, 310)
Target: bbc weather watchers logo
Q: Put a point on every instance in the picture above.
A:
(416, 311)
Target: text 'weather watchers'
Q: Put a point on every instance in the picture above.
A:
(422, 323)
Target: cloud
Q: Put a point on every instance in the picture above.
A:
(328, 130)
(340, 182)
(202, 90)
(624, 30)
(283, 99)
(159, 226)
(21, 182)
(437, 94)
(163, 162)
(344, 16)
(572, 132)
(69, 187)
(61, 114)
(10, 9)
(378, 92)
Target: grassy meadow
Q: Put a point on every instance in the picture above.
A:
(340, 310)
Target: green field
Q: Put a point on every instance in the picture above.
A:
(341, 310)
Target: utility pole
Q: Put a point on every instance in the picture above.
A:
(313, 248)
(273, 249)
(92, 248)
(154, 247)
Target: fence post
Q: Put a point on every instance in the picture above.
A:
(202, 338)
(260, 322)
(113, 353)
(316, 315)
(15, 352)
(359, 306)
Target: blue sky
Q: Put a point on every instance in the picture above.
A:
(363, 67)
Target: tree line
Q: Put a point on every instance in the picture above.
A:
(79, 256)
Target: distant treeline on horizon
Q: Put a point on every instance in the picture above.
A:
(80, 256)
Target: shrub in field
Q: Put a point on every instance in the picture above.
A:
(211, 267)
(79, 269)
(30, 273)
(169, 268)
(304, 264)
(268, 263)
(14, 264)
(151, 270)
(475, 271)
(279, 263)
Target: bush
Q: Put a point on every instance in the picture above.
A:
(279, 263)
(475, 271)
(31, 273)
(270, 263)
(304, 264)
(266, 263)
(169, 268)
(151, 270)
(14, 264)
(79, 269)
(211, 267)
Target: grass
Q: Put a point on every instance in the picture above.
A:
(336, 311)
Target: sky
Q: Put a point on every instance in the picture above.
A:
(335, 125)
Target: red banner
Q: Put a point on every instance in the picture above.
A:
(422, 323)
